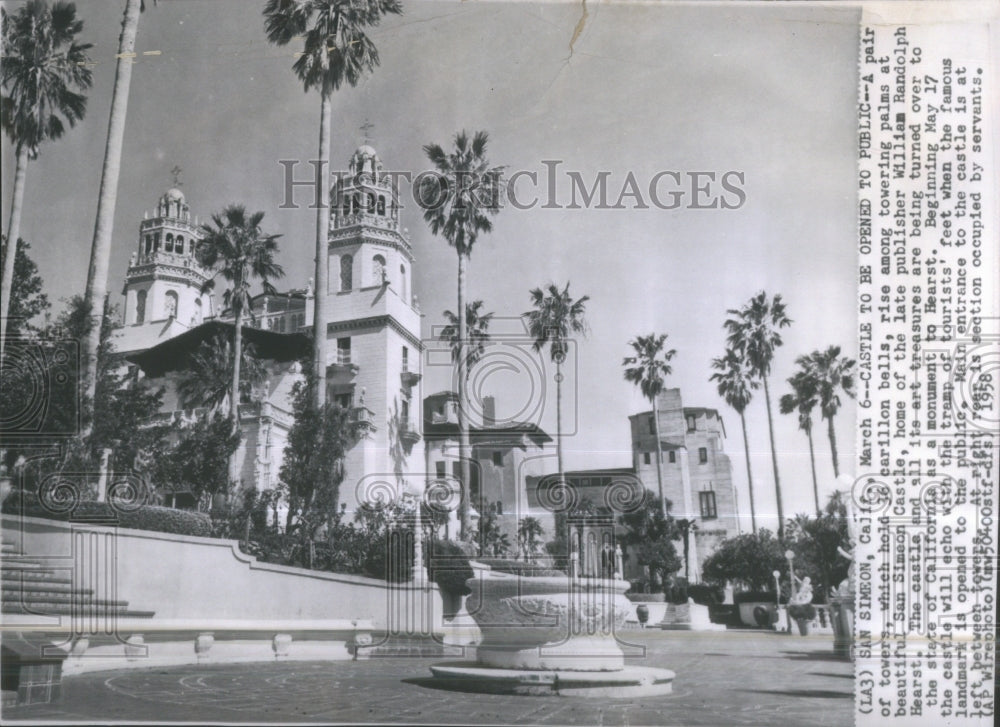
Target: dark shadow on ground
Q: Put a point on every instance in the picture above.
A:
(831, 674)
(813, 693)
(814, 656)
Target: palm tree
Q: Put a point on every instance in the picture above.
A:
(107, 199)
(735, 384)
(832, 374)
(555, 318)
(43, 72)
(207, 381)
(477, 324)
(648, 370)
(458, 201)
(335, 49)
(754, 333)
(803, 399)
(529, 534)
(237, 246)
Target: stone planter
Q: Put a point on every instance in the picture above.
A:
(803, 624)
(642, 613)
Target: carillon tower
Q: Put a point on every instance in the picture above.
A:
(164, 280)
(374, 348)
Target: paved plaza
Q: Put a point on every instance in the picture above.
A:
(723, 678)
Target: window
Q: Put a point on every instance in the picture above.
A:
(140, 307)
(378, 270)
(402, 282)
(196, 318)
(170, 243)
(404, 414)
(346, 272)
(180, 244)
(156, 243)
(702, 455)
(498, 508)
(691, 422)
(381, 205)
(673, 456)
(645, 458)
(149, 244)
(343, 350)
(170, 304)
(406, 359)
(498, 459)
(344, 401)
(652, 425)
(440, 470)
(706, 499)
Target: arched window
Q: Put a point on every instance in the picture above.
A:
(170, 304)
(196, 318)
(381, 205)
(180, 244)
(149, 244)
(156, 243)
(369, 203)
(169, 247)
(346, 272)
(140, 307)
(402, 282)
(354, 204)
(378, 270)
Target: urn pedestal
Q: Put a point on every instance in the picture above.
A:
(551, 635)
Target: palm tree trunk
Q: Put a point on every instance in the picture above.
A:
(322, 226)
(13, 232)
(812, 462)
(833, 445)
(659, 456)
(463, 423)
(746, 449)
(774, 462)
(559, 454)
(234, 392)
(100, 250)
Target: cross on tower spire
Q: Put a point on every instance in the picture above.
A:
(366, 129)
(176, 173)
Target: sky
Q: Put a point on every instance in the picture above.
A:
(631, 88)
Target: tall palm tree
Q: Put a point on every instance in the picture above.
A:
(754, 333)
(458, 201)
(648, 369)
(555, 318)
(107, 199)
(803, 399)
(335, 50)
(478, 327)
(529, 535)
(832, 374)
(207, 381)
(42, 75)
(736, 384)
(239, 250)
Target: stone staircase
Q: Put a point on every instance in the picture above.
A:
(40, 608)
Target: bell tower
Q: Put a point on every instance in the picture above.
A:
(164, 279)
(373, 330)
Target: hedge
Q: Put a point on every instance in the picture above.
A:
(452, 567)
(754, 597)
(140, 517)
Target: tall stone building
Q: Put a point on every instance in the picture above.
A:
(373, 332)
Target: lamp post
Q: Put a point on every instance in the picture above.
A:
(777, 595)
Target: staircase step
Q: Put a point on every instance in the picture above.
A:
(63, 609)
(30, 576)
(71, 597)
(43, 588)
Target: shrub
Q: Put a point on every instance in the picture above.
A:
(449, 567)
(702, 594)
(802, 610)
(140, 517)
(754, 596)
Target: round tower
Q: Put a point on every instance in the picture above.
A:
(164, 279)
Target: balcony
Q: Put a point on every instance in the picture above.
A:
(343, 364)
(408, 433)
(363, 417)
(409, 378)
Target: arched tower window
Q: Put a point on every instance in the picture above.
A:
(381, 205)
(156, 243)
(140, 307)
(369, 203)
(346, 272)
(170, 304)
(169, 247)
(149, 244)
(354, 204)
(180, 244)
(402, 282)
(196, 318)
(378, 270)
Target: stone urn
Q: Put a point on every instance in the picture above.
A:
(549, 622)
(642, 613)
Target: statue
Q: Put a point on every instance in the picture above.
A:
(804, 593)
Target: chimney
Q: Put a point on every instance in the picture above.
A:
(489, 411)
